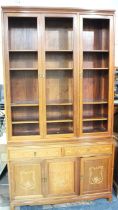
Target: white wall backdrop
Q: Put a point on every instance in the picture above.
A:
(91, 4)
(63, 3)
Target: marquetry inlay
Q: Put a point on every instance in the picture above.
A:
(96, 175)
(27, 179)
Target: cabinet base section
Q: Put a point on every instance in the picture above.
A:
(57, 200)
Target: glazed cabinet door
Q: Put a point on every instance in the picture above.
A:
(96, 175)
(26, 178)
(23, 75)
(96, 74)
(59, 59)
(62, 177)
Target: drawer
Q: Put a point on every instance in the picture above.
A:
(34, 153)
(49, 152)
(87, 150)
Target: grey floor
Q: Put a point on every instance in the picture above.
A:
(4, 192)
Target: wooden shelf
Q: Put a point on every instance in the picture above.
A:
(53, 69)
(23, 50)
(96, 51)
(23, 69)
(59, 132)
(58, 51)
(95, 102)
(25, 122)
(59, 104)
(20, 105)
(94, 118)
(30, 132)
(94, 130)
(96, 68)
(58, 121)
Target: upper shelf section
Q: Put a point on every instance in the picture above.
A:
(22, 33)
(59, 34)
(95, 35)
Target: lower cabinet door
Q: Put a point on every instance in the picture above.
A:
(25, 179)
(62, 177)
(96, 175)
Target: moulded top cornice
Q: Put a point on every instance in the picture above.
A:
(53, 9)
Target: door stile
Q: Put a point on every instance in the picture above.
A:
(41, 64)
(7, 91)
(81, 75)
(111, 77)
(76, 75)
(44, 74)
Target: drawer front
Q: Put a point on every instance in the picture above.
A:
(34, 153)
(87, 150)
(49, 152)
(20, 154)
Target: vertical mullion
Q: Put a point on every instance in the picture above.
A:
(7, 89)
(81, 75)
(111, 77)
(76, 69)
(43, 60)
(39, 28)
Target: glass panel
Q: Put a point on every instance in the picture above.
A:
(22, 33)
(95, 34)
(23, 67)
(25, 114)
(59, 93)
(60, 128)
(59, 60)
(23, 60)
(24, 87)
(95, 75)
(25, 129)
(59, 75)
(94, 85)
(59, 32)
(95, 60)
(94, 126)
(93, 111)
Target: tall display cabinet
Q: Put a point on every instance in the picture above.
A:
(59, 104)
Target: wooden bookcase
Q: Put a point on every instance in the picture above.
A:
(59, 104)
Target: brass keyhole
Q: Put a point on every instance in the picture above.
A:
(34, 153)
